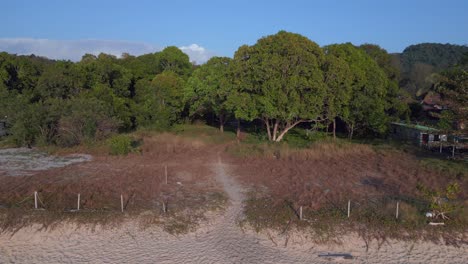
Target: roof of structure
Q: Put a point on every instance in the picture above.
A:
(418, 127)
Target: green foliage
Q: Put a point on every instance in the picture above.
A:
(158, 103)
(303, 138)
(446, 120)
(174, 60)
(25, 129)
(278, 80)
(66, 103)
(368, 90)
(85, 120)
(396, 98)
(440, 56)
(452, 84)
(59, 80)
(441, 202)
(120, 145)
(419, 62)
(208, 88)
(282, 80)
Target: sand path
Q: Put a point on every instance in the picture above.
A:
(221, 241)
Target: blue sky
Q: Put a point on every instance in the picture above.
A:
(62, 29)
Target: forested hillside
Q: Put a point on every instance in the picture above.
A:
(419, 62)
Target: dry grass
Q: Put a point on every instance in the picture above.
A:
(323, 177)
(139, 177)
(166, 143)
(317, 150)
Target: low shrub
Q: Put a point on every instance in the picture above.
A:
(121, 145)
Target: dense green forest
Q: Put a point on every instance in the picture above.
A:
(283, 80)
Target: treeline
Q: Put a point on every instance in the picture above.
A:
(66, 103)
(283, 80)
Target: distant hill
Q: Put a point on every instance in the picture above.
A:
(439, 56)
(418, 62)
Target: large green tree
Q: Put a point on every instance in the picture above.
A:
(173, 59)
(208, 88)
(338, 80)
(281, 82)
(369, 90)
(396, 99)
(452, 84)
(104, 78)
(159, 102)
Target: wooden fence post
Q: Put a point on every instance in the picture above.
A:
(397, 208)
(300, 213)
(121, 203)
(35, 200)
(349, 207)
(78, 204)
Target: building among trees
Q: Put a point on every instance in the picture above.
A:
(421, 135)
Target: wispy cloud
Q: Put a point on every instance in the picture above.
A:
(75, 49)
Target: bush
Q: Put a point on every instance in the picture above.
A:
(85, 120)
(120, 145)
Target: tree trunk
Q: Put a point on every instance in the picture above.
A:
(238, 129)
(334, 128)
(286, 129)
(221, 123)
(267, 124)
(275, 129)
(351, 131)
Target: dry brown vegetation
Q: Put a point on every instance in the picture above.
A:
(320, 178)
(325, 176)
(308, 177)
(139, 177)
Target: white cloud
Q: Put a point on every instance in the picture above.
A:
(197, 53)
(75, 49)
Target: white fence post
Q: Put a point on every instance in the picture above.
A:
(300, 213)
(35, 200)
(78, 204)
(121, 203)
(349, 207)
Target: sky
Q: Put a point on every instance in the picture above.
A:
(202, 29)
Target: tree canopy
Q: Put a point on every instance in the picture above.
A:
(282, 80)
(281, 75)
(208, 88)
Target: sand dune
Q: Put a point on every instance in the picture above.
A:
(218, 241)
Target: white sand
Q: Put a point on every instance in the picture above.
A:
(24, 161)
(219, 241)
